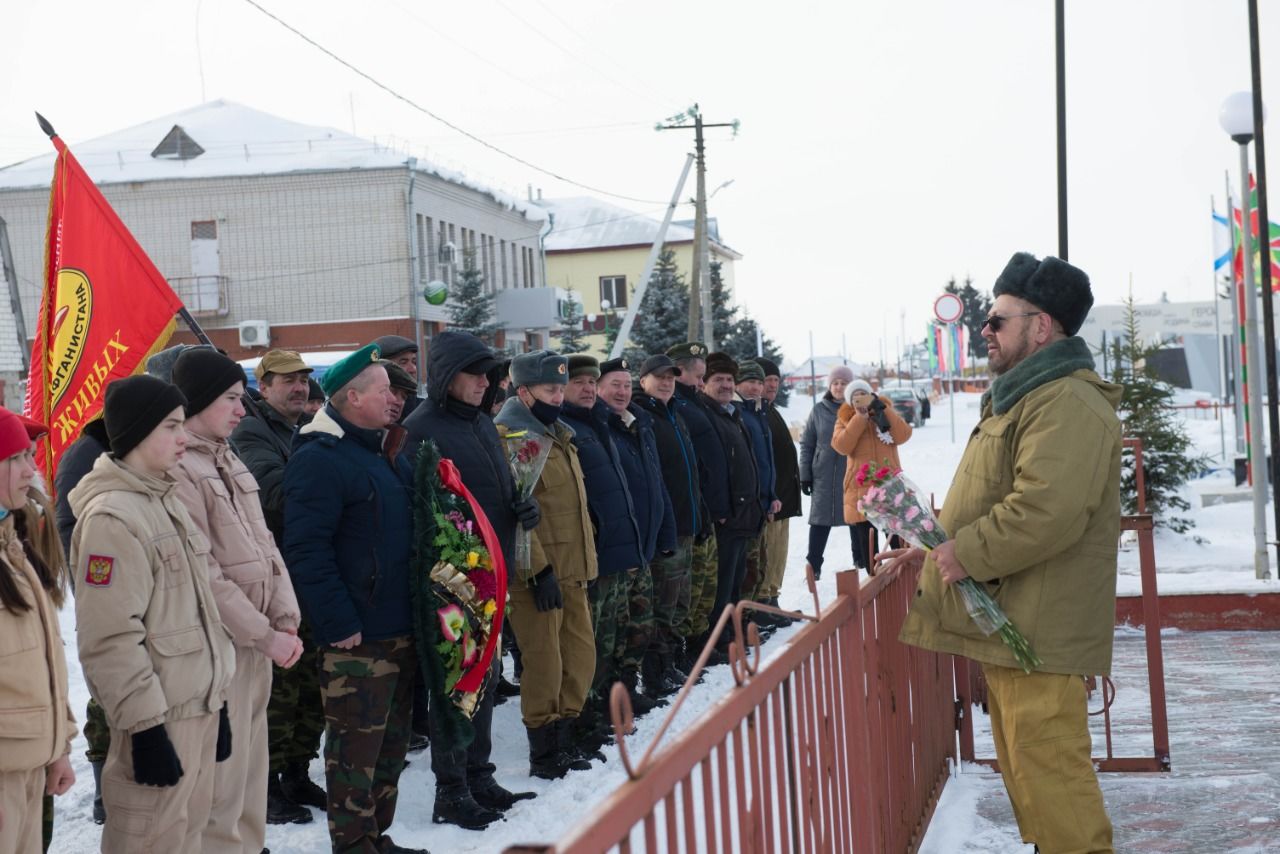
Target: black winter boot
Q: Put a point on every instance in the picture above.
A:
(656, 683)
(281, 810)
(546, 760)
(490, 795)
(296, 785)
(573, 747)
(648, 699)
(99, 811)
(461, 809)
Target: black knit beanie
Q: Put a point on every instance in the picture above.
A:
(134, 407)
(202, 375)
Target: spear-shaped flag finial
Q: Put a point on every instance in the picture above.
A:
(45, 126)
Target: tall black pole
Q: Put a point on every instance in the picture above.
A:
(1060, 44)
(1264, 249)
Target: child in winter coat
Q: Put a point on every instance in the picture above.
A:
(36, 724)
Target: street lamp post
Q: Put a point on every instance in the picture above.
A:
(1236, 118)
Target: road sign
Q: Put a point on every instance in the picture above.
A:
(948, 308)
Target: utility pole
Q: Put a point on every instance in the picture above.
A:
(700, 286)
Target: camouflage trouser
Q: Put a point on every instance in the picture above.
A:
(637, 617)
(608, 596)
(96, 732)
(755, 568)
(368, 699)
(702, 588)
(671, 582)
(295, 719)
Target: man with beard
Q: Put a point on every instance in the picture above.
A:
(1034, 514)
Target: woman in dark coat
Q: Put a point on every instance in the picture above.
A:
(822, 468)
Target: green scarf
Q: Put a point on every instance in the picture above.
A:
(1061, 358)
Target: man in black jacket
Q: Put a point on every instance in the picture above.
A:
(745, 517)
(713, 477)
(455, 417)
(295, 716)
(672, 575)
(404, 353)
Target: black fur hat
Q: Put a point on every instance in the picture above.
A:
(1052, 285)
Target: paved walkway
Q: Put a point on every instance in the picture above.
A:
(1224, 728)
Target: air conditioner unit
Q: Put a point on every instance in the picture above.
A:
(255, 333)
(448, 254)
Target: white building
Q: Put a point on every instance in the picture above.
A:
(278, 234)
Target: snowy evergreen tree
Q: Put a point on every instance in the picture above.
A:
(741, 344)
(723, 315)
(977, 305)
(571, 336)
(470, 306)
(1167, 459)
(663, 316)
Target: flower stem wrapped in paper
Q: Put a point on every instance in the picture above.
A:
(896, 506)
(527, 455)
(459, 589)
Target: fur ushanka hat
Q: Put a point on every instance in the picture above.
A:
(1052, 285)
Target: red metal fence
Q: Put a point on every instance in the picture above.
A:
(840, 743)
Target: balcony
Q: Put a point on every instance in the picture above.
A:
(204, 296)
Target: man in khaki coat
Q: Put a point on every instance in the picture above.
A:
(254, 595)
(154, 652)
(549, 610)
(1034, 514)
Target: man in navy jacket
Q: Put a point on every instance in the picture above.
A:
(632, 431)
(348, 541)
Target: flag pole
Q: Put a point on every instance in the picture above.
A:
(194, 327)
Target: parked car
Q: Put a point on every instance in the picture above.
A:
(907, 404)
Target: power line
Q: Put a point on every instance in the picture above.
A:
(441, 119)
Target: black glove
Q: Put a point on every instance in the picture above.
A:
(155, 762)
(546, 590)
(224, 735)
(876, 409)
(528, 513)
(806, 486)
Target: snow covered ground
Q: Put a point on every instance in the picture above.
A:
(1223, 561)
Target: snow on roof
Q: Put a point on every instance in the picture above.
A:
(582, 222)
(236, 141)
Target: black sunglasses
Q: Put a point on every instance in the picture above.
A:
(996, 321)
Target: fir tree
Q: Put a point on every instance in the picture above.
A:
(741, 345)
(663, 316)
(571, 334)
(977, 305)
(723, 315)
(1167, 461)
(470, 306)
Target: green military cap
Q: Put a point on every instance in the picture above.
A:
(582, 365)
(539, 367)
(399, 377)
(750, 370)
(345, 370)
(688, 350)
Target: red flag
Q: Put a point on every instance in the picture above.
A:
(105, 309)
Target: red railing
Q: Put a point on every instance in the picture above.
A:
(840, 743)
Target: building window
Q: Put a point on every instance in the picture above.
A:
(430, 250)
(515, 266)
(422, 248)
(613, 289)
(502, 258)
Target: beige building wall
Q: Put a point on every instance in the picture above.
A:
(582, 270)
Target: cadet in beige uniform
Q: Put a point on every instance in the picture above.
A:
(36, 725)
(246, 573)
(549, 610)
(153, 650)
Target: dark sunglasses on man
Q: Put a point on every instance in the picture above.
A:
(996, 321)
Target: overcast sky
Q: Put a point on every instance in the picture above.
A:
(885, 146)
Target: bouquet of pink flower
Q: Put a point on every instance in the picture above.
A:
(527, 455)
(894, 505)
